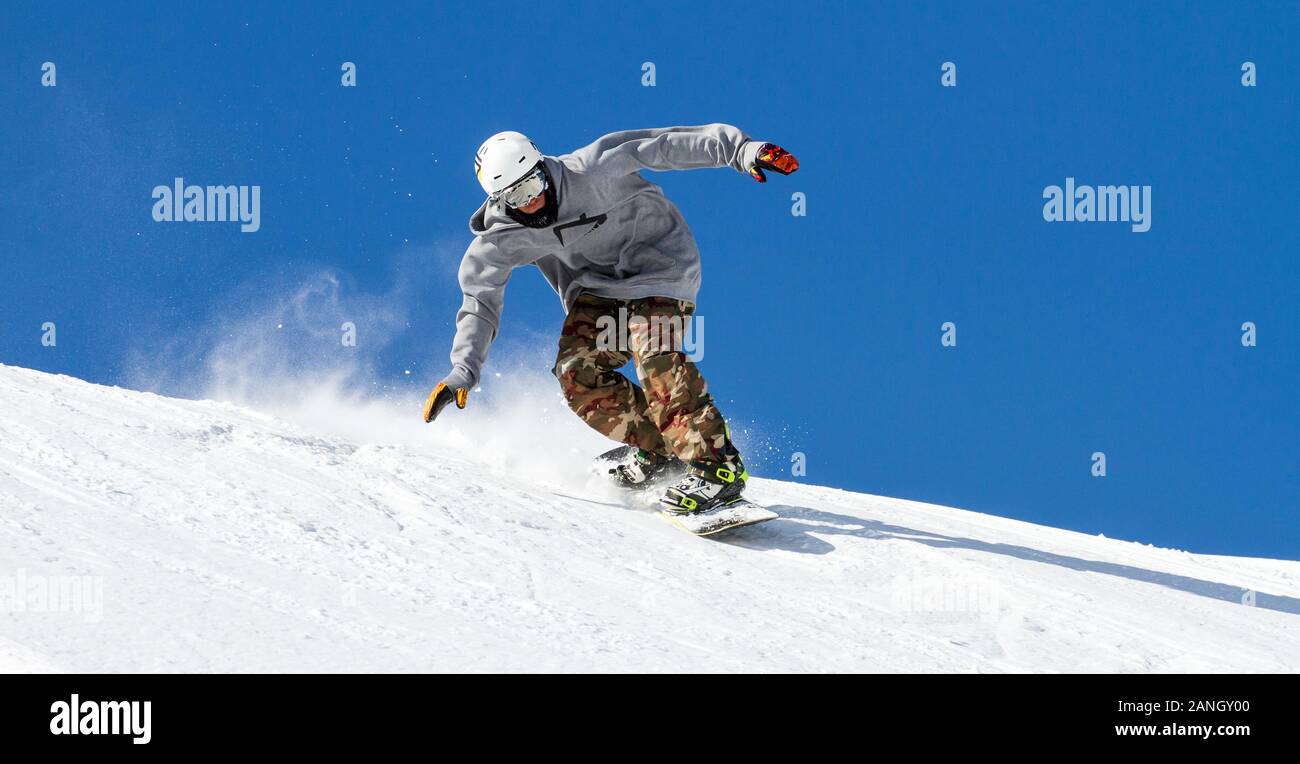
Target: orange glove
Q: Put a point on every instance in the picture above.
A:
(774, 158)
(440, 397)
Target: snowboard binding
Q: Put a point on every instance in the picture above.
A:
(706, 487)
(635, 468)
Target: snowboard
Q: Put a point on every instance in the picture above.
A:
(736, 514)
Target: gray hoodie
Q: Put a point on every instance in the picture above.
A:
(616, 234)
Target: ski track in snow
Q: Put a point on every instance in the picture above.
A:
(230, 540)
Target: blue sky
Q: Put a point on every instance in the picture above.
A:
(924, 205)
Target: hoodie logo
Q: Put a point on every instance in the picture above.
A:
(583, 220)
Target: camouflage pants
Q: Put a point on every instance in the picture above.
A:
(672, 411)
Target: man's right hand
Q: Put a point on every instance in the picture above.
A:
(440, 397)
(774, 158)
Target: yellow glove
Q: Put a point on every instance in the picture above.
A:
(774, 158)
(440, 397)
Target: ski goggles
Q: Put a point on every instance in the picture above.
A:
(524, 190)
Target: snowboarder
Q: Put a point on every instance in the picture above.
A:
(609, 242)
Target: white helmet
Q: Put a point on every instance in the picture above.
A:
(503, 159)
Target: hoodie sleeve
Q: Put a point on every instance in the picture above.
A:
(484, 273)
(670, 148)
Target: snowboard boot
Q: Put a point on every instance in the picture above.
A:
(706, 486)
(639, 468)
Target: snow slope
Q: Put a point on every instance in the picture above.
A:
(201, 536)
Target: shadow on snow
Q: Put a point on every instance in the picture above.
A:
(793, 533)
